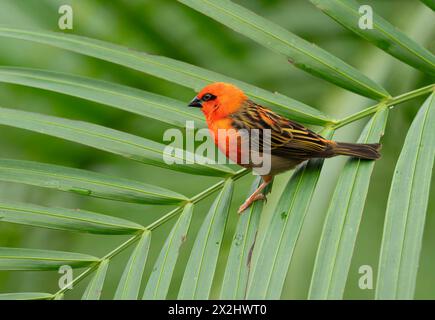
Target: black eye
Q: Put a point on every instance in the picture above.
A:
(208, 97)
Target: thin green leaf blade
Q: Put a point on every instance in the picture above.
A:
(383, 34)
(65, 219)
(200, 269)
(429, 3)
(171, 70)
(95, 286)
(110, 140)
(122, 97)
(85, 182)
(301, 53)
(25, 296)
(340, 229)
(406, 208)
(35, 259)
(275, 254)
(129, 285)
(160, 279)
(239, 260)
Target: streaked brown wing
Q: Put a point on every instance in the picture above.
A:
(288, 138)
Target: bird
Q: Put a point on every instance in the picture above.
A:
(227, 108)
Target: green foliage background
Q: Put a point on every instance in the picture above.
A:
(171, 29)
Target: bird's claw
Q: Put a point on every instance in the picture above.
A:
(250, 201)
(260, 196)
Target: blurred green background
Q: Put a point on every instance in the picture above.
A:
(166, 27)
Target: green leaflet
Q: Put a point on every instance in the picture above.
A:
(25, 296)
(340, 228)
(121, 143)
(129, 285)
(239, 260)
(161, 276)
(35, 259)
(95, 286)
(172, 70)
(383, 35)
(429, 3)
(276, 251)
(299, 52)
(406, 208)
(200, 269)
(85, 182)
(122, 97)
(65, 219)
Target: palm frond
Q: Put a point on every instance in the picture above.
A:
(270, 267)
(406, 209)
(130, 99)
(256, 268)
(166, 68)
(129, 285)
(200, 268)
(383, 35)
(95, 287)
(36, 259)
(344, 215)
(85, 182)
(65, 219)
(160, 279)
(238, 266)
(299, 52)
(114, 141)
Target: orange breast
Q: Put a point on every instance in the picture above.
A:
(226, 138)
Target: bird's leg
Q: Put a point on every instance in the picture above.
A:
(257, 194)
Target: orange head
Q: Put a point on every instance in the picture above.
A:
(218, 100)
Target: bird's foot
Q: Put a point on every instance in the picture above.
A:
(250, 201)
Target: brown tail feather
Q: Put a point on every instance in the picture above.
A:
(358, 150)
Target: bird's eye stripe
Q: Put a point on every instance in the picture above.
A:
(208, 97)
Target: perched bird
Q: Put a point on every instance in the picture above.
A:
(227, 108)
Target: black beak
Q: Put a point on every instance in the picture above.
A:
(195, 103)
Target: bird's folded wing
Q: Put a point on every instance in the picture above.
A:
(287, 138)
